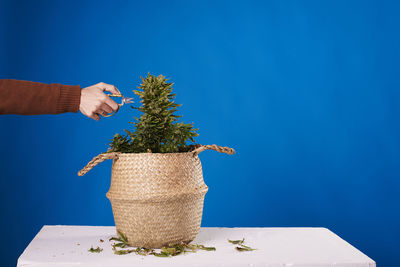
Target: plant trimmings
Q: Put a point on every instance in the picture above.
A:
(122, 247)
(169, 251)
(157, 130)
(241, 246)
(95, 250)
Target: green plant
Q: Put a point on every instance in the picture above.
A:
(157, 130)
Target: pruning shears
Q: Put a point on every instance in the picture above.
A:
(124, 100)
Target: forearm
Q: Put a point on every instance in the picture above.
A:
(32, 98)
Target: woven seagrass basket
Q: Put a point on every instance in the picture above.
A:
(157, 198)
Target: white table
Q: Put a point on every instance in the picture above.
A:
(283, 247)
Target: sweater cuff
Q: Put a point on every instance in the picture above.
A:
(69, 99)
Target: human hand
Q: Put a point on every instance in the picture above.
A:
(95, 102)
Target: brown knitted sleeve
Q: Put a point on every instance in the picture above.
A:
(32, 98)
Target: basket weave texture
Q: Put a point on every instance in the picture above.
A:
(157, 198)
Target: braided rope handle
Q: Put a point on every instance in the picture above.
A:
(221, 149)
(114, 155)
(96, 160)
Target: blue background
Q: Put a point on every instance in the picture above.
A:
(307, 92)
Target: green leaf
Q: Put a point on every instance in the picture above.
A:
(95, 250)
(123, 237)
(248, 247)
(162, 254)
(242, 246)
(245, 248)
(120, 245)
(206, 248)
(124, 252)
(236, 241)
(168, 251)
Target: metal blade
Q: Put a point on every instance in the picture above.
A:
(127, 100)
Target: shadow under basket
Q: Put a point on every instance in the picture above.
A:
(157, 198)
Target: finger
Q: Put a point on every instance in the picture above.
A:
(106, 108)
(111, 103)
(109, 88)
(95, 117)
